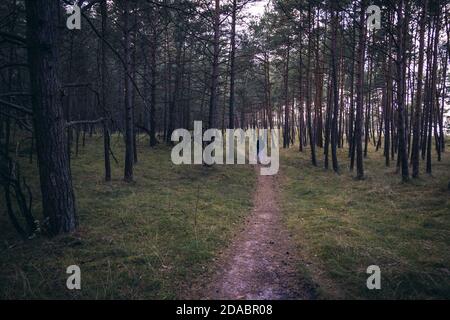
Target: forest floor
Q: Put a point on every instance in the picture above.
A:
(342, 225)
(261, 262)
(137, 240)
(155, 238)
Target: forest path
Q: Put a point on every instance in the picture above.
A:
(261, 262)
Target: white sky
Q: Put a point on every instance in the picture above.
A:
(257, 8)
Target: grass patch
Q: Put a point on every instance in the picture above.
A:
(144, 240)
(342, 226)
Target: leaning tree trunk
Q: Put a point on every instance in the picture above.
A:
(58, 199)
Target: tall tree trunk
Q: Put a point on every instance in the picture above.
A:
(360, 92)
(351, 120)
(215, 68)
(232, 64)
(318, 80)
(129, 121)
(179, 39)
(268, 89)
(58, 199)
(388, 106)
(368, 109)
(401, 71)
(300, 98)
(418, 102)
(312, 140)
(443, 96)
(153, 70)
(106, 136)
(335, 94)
(286, 99)
(432, 91)
(133, 91)
(328, 125)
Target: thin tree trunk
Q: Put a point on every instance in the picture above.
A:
(335, 93)
(232, 64)
(129, 121)
(215, 68)
(106, 136)
(286, 100)
(360, 92)
(418, 102)
(312, 140)
(432, 92)
(401, 70)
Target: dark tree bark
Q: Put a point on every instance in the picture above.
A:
(129, 121)
(432, 93)
(418, 101)
(318, 81)
(351, 120)
(300, 98)
(106, 135)
(133, 91)
(215, 68)
(152, 123)
(335, 94)
(425, 117)
(268, 89)
(360, 92)
(368, 110)
(388, 110)
(286, 99)
(312, 140)
(232, 64)
(401, 70)
(443, 96)
(328, 115)
(58, 198)
(179, 39)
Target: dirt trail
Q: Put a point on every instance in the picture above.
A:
(261, 262)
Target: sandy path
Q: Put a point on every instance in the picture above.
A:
(260, 263)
